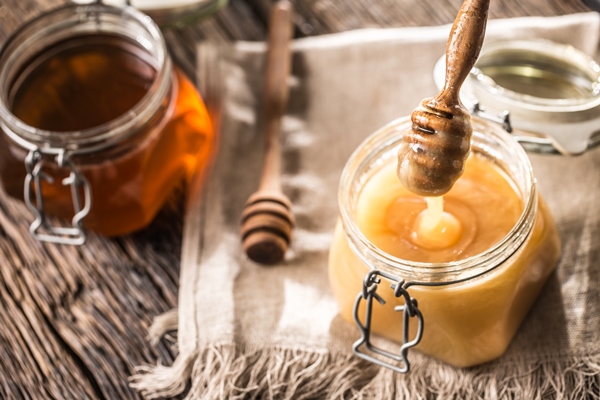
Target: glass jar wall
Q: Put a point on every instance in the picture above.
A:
(98, 126)
(473, 304)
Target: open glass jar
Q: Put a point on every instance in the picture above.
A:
(463, 312)
(97, 125)
(547, 93)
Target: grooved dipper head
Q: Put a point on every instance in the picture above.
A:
(267, 223)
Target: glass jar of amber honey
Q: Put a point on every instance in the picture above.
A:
(98, 127)
(460, 293)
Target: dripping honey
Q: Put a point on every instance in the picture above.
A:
(90, 82)
(483, 202)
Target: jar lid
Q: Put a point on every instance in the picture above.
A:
(168, 12)
(550, 93)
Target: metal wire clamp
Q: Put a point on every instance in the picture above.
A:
(502, 119)
(74, 235)
(409, 310)
(536, 142)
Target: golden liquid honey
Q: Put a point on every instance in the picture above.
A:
(482, 201)
(468, 322)
(90, 81)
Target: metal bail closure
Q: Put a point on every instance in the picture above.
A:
(39, 228)
(536, 142)
(409, 310)
(503, 119)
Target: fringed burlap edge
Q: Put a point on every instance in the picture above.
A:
(225, 371)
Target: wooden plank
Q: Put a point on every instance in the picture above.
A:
(80, 314)
(327, 16)
(14, 12)
(235, 22)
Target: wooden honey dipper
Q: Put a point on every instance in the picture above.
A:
(267, 220)
(433, 152)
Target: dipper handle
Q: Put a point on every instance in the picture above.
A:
(433, 152)
(276, 91)
(267, 220)
(464, 45)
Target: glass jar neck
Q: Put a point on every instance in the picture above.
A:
(488, 140)
(73, 21)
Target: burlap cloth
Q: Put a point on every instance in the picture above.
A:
(246, 331)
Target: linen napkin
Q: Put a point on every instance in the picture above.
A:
(247, 331)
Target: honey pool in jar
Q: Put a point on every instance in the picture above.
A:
(473, 281)
(98, 127)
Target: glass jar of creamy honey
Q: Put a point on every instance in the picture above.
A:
(460, 300)
(97, 125)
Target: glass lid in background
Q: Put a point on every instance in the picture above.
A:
(551, 91)
(537, 75)
(169, 12)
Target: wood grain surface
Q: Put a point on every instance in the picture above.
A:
(73, 320)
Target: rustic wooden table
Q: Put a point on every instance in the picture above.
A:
(73, 320)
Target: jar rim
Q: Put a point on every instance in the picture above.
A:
(546, 51)
(443, 272)
(66, 22)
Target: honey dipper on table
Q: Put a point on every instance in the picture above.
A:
(267, 220)
(433, 152)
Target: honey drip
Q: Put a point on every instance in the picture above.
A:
(435, 228)
(477, 213)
